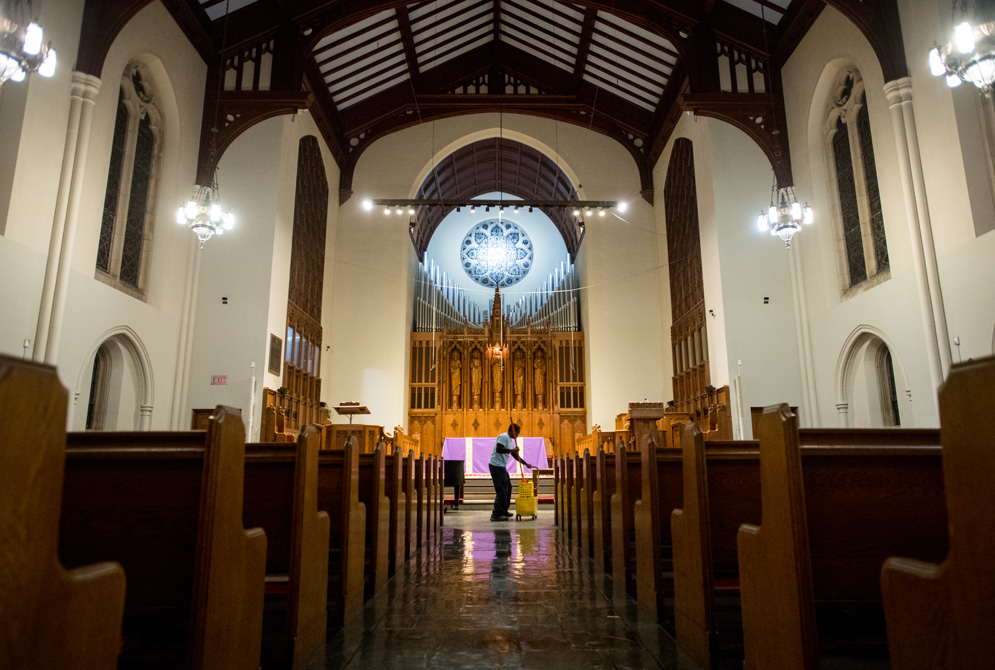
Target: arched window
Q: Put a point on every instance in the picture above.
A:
(128, 218)
(860, 235)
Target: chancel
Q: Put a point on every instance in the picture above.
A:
(759, 442)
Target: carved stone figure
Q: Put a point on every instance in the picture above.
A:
(455, 377)
(519, 378)
(540, 379)
(475, 373)
(497, 381)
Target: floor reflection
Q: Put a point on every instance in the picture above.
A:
(498, 595)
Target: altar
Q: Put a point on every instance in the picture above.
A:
(476, 452)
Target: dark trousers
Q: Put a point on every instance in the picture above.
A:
(502, 486)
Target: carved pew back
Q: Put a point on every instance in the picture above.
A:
(373, 495)
(939, 615)
(601, 529)
(338, 493)
(410, 505)
(281, 497)
(168, 507)
(396, 504)
(831, 515)
(628, 488)
(50, 617)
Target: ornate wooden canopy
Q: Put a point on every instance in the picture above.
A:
(626, 68)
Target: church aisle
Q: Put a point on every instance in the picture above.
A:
(499, 595)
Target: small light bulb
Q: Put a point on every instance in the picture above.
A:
(386, 210)
(623, 206)
(964, 38)
(587, 212)
(191, 210)
(516, 209)
(18, 74)
(772, 214)
(368, 205)
(601, 212)
(473, 209)
(47, 68)
(229, 220)
(936, 66)
(953, 81)
(32, 39)
(181, 216)
(399, 211)
(576, 212)
(411, 211)
(762, 222)
(809, 215)
(796, 211)
(215, 212)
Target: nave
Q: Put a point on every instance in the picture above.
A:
(502, 595)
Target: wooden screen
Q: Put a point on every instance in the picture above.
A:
(301, 369)
(688, 335)
(423, 375)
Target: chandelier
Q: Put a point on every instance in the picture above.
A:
(202, 214)
(21, 47)
(970, 56)
(785, 216)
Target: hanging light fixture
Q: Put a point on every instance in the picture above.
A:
(970, 55)
(21, 48)
(202, 213)
(785, 215)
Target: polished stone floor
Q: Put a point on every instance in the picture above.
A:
(501, 595)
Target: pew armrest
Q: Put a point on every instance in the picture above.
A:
(917, 613)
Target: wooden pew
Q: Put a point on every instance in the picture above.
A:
(440, 478)
(281, 497)
(721, 482)
(410, 505)
(557, 499)
(628, 488)
(168, 507)
(338, 492)
(396, 504)
(586, 511)
(568, 496)
(601, 533)
(373, 496)
(50, 617)
(939, 615)
(831, 515)
(421, 501)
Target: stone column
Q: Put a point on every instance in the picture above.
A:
(841, 414)
(145, 417)
(60, 251)
(899, 94)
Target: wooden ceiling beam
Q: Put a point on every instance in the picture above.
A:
(584, 48)
(407, 38)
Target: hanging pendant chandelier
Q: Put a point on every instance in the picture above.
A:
(969, 56)
(785, 216)
(203, 215)
(21, 48)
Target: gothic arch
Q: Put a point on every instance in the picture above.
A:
(863, 351)
(123, 345)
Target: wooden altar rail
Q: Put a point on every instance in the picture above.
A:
(868, 495)
(168, 509)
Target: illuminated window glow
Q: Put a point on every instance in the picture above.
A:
(496, 252)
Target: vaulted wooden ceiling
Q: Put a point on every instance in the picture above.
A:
(625, 68)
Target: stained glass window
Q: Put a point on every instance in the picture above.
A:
(134, 231)
(113, 192)
(497, 253)
(873, 193)
(852, 239)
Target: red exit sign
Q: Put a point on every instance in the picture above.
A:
(219, 380)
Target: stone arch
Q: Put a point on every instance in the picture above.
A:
(129, 369)
(859, 382)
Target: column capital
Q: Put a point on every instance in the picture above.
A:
(85, 85)
(898, 91)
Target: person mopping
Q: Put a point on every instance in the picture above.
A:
(503, 447)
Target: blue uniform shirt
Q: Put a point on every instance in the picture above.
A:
(501, 460)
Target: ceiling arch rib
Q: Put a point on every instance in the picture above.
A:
(496, 165)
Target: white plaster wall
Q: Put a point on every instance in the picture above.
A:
(94, 310)
(618, 265)
(891, 307)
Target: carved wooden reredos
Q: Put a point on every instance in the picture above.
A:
(472, 374)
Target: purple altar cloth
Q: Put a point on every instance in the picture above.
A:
(454, 449)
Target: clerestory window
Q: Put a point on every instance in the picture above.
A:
(128, 218)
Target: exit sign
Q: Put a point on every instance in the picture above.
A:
(219, 380)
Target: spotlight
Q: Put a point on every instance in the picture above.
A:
(487, 208)
(399, 211)
(473, 209)
(458, 209)
(367, 205)
(576, 213)
(530, 210)
(411, 211)
(386, 210)
(623, 206)
(601, 212)
(587, 212)
(516, 209)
